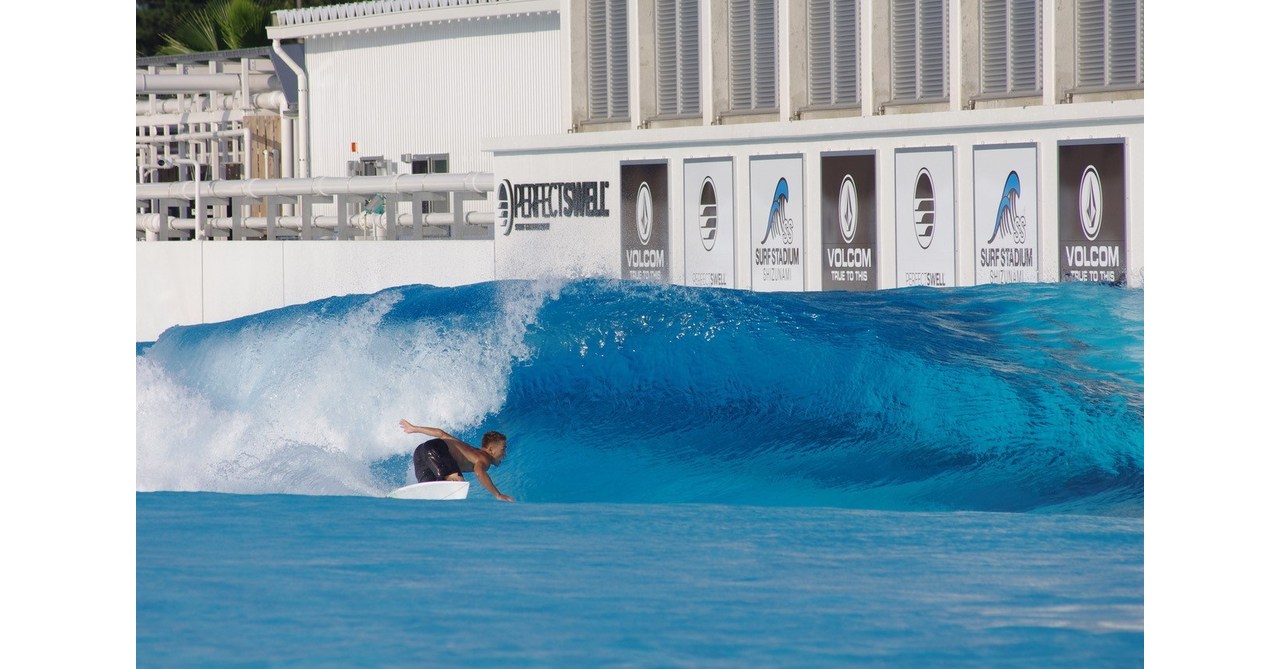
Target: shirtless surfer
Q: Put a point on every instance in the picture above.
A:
(445, 457)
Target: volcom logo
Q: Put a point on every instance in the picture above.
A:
(847, 210)
(504, 211)
(779, 224)
(924, 208)
(644, 213)
(1008, 222)
(707, 217)
(1091, 203)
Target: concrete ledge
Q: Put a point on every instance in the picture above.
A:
(186, 283)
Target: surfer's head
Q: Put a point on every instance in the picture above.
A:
(495, 444)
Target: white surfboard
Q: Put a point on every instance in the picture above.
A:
(437, 490)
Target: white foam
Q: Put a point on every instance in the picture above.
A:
(306, 403)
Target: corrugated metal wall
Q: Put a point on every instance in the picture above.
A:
(433, 89)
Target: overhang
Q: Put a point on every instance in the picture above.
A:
(385, 14)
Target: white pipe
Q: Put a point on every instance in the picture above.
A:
(274, 100)
(246, 154)
(286, 154)
(244, 82)
(199, 209)
(304, 125)
(151, 222)
(475, 182)
(188, 136)
(286, 146)
(215, 151)
(200, 83)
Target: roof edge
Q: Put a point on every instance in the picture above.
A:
(384, 14)
(205, 56)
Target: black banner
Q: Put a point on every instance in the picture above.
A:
(1091, 212)
(849, 222)
(645, 245)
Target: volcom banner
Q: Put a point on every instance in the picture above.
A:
(1091, 212)
(849, 222)
(925, 217)
(1006, 220)
(708, 222)
(645, 250)
(777, 223)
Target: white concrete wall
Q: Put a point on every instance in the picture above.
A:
(590, 246)
(186, 283)
(433, 88)
(170, 286)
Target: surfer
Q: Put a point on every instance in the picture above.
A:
(445, 457)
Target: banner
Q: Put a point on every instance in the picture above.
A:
(645, 250)
(849, 222)
(555, 218)
(777, 223)
(708, 222)
(1006, 220)
(533, 206)
(925, 217)
(1091, 212)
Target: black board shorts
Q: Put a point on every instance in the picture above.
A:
(432, 461)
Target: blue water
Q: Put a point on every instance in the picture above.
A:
(910, 477)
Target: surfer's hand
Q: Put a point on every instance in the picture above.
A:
(506, 498)
(407, 426)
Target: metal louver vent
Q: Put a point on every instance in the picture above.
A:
(753, 78)
(607, 85)
(833, 52)
(676, 33)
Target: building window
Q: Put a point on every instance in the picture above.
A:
(833, 52)
(435, 163)
(1108, 43)
(920, 50)
(368, 166)
(1011, 46)
(432, 163)
(753, 55)
(607, 89)
(677, 57)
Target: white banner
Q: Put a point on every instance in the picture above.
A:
(925, 217)
(1006, 214)
(708, 222)
(777, 223)
(556, 218)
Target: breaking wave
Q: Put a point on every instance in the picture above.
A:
(1023, 397)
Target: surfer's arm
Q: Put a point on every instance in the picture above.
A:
(482, 474)
(410, 428)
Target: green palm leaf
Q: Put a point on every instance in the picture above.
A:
(243, 24)
(195, 34)
(219, 26)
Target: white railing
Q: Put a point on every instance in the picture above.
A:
(286, 208)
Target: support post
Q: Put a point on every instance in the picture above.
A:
(272, 207)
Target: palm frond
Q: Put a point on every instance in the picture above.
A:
(195, 34)
(243, 24)
(218, 26)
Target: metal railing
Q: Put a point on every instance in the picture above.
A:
(287, 208)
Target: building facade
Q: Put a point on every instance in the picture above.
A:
(752, 144)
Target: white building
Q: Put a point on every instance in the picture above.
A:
(755, 144)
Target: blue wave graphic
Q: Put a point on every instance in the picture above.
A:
(1007, 211)
(1019, 397)
(777, 209)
